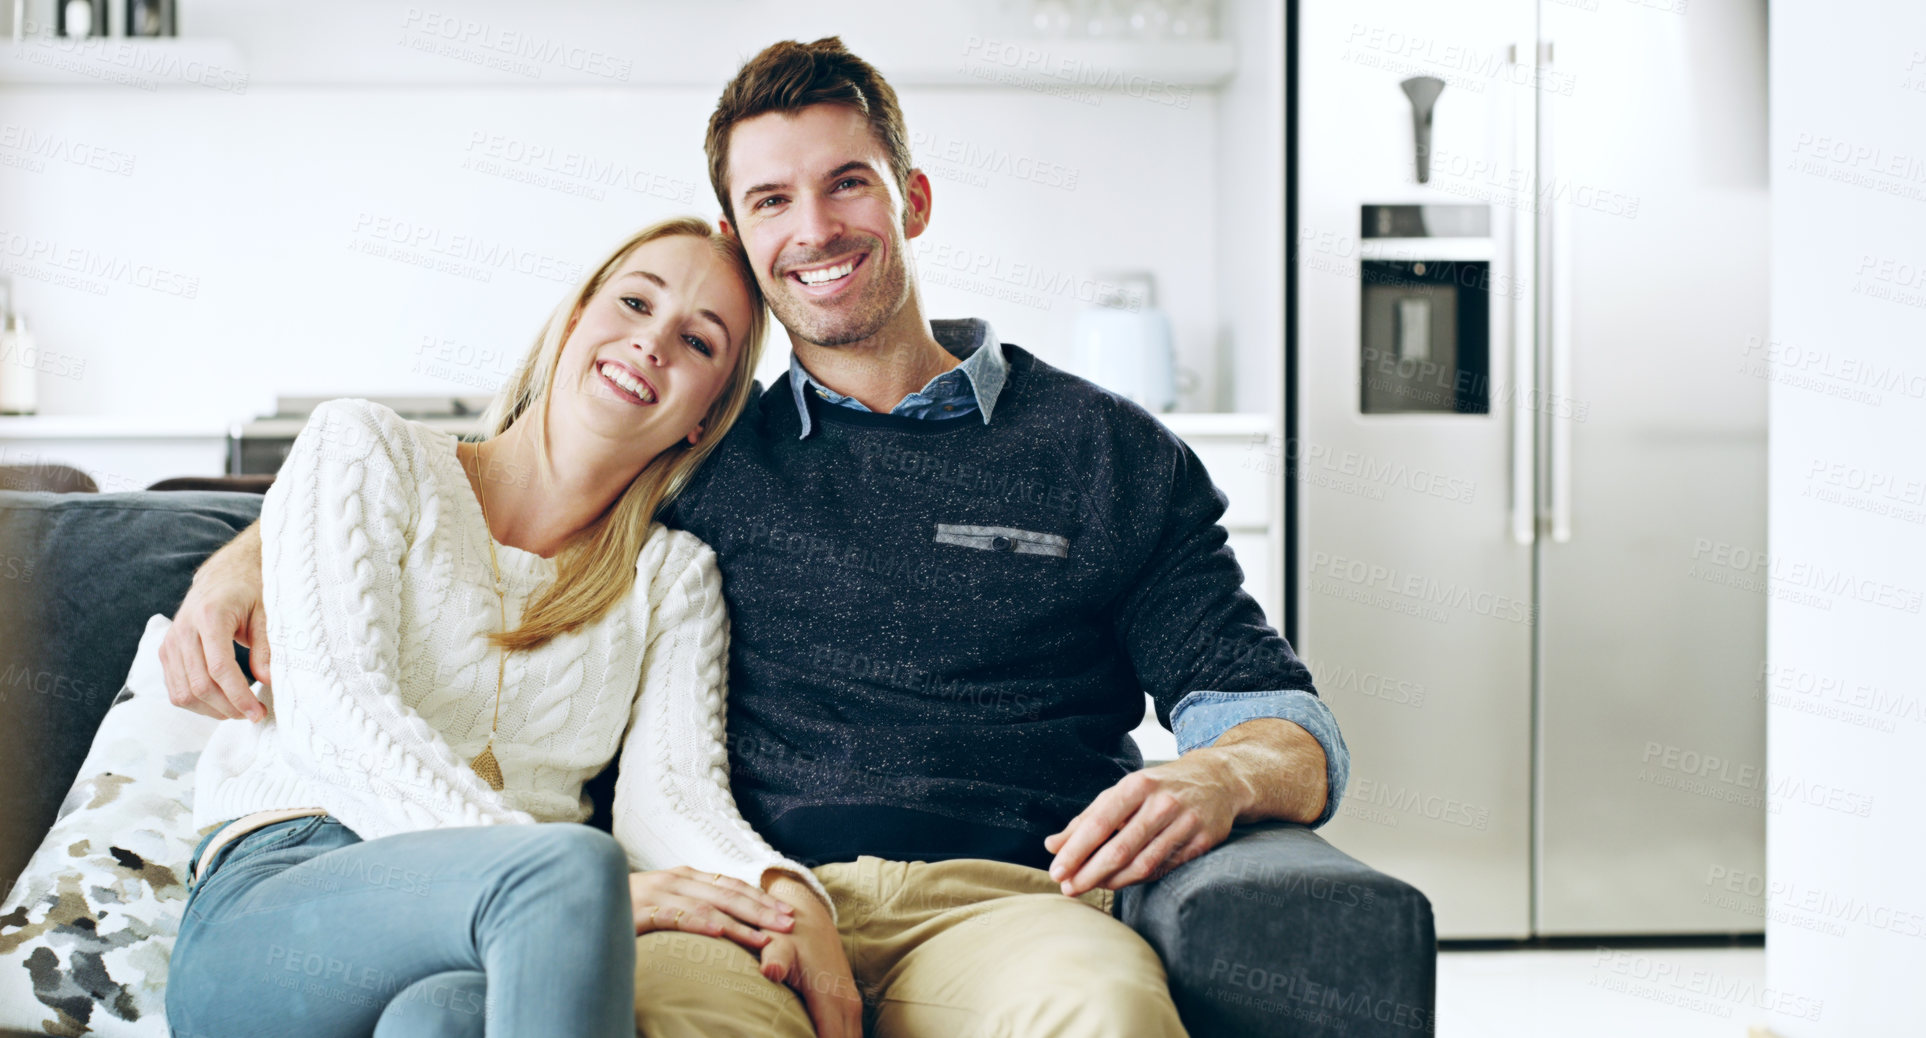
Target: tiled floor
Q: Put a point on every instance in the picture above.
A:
(1613, 992)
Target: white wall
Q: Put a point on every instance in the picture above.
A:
(1846, 929)
(230, 243)
(1250, 211)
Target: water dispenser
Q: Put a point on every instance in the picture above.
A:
(1425, 334)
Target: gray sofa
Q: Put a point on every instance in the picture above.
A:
(1274, 933)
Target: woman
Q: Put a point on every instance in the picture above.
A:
(464, 634)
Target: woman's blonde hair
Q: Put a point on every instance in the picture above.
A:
(596, 568)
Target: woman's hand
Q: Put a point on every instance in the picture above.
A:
(811, 960)
(707, 903)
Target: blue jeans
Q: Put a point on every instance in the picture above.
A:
(302, 928)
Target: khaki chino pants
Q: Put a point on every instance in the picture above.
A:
(949, 949)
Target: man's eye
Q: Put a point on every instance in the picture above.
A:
(698, 344)
(848, 182)
(769, 201)
(638, 305)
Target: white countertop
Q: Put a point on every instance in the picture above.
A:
(1213, 423)
(109, 427)
(165, 427)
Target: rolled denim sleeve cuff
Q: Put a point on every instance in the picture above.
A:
(1201, 718)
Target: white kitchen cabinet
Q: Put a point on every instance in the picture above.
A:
(121, 454)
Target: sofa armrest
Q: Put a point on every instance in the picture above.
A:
(1278, 933)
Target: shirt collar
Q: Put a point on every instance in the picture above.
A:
(984, 370)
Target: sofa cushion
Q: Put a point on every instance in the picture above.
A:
(79, 576)
(86, 934)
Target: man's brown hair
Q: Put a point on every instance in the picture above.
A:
(791, 76)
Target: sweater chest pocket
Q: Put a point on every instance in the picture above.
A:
(1004, 539)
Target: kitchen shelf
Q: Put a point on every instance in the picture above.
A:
(141, 64)
(1143, 69)
(1159, 72)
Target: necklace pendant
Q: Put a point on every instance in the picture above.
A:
(486, 766)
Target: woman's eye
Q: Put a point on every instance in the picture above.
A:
(701, 346)
(638, 305)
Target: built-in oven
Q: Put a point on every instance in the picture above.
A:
(260, 446)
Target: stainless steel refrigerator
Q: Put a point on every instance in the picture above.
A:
(1530, 455)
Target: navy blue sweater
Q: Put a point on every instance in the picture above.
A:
(943, 630)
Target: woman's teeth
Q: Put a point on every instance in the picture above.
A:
(817, 277)
(616, 374)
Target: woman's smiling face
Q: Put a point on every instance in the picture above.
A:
(654, 346)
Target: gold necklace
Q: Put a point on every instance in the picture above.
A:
(484, 763)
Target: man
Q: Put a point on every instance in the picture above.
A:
(952, 571)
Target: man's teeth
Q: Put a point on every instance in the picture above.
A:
(817, 277)
(621, 378)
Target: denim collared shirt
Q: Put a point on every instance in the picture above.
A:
(969, 388)
(972, 387)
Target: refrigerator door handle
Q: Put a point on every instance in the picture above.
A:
(1555, 282)
(1523, 252)
(1524, 474)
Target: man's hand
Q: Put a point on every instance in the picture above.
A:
(1156, 819)
(222, 606)
(811, 960)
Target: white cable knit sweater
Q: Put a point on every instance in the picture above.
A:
(380, 598)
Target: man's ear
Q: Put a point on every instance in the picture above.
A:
(725, 228)
(916, 204)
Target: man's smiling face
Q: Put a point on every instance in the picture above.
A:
(823, 221)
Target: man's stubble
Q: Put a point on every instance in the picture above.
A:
(887, 293)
